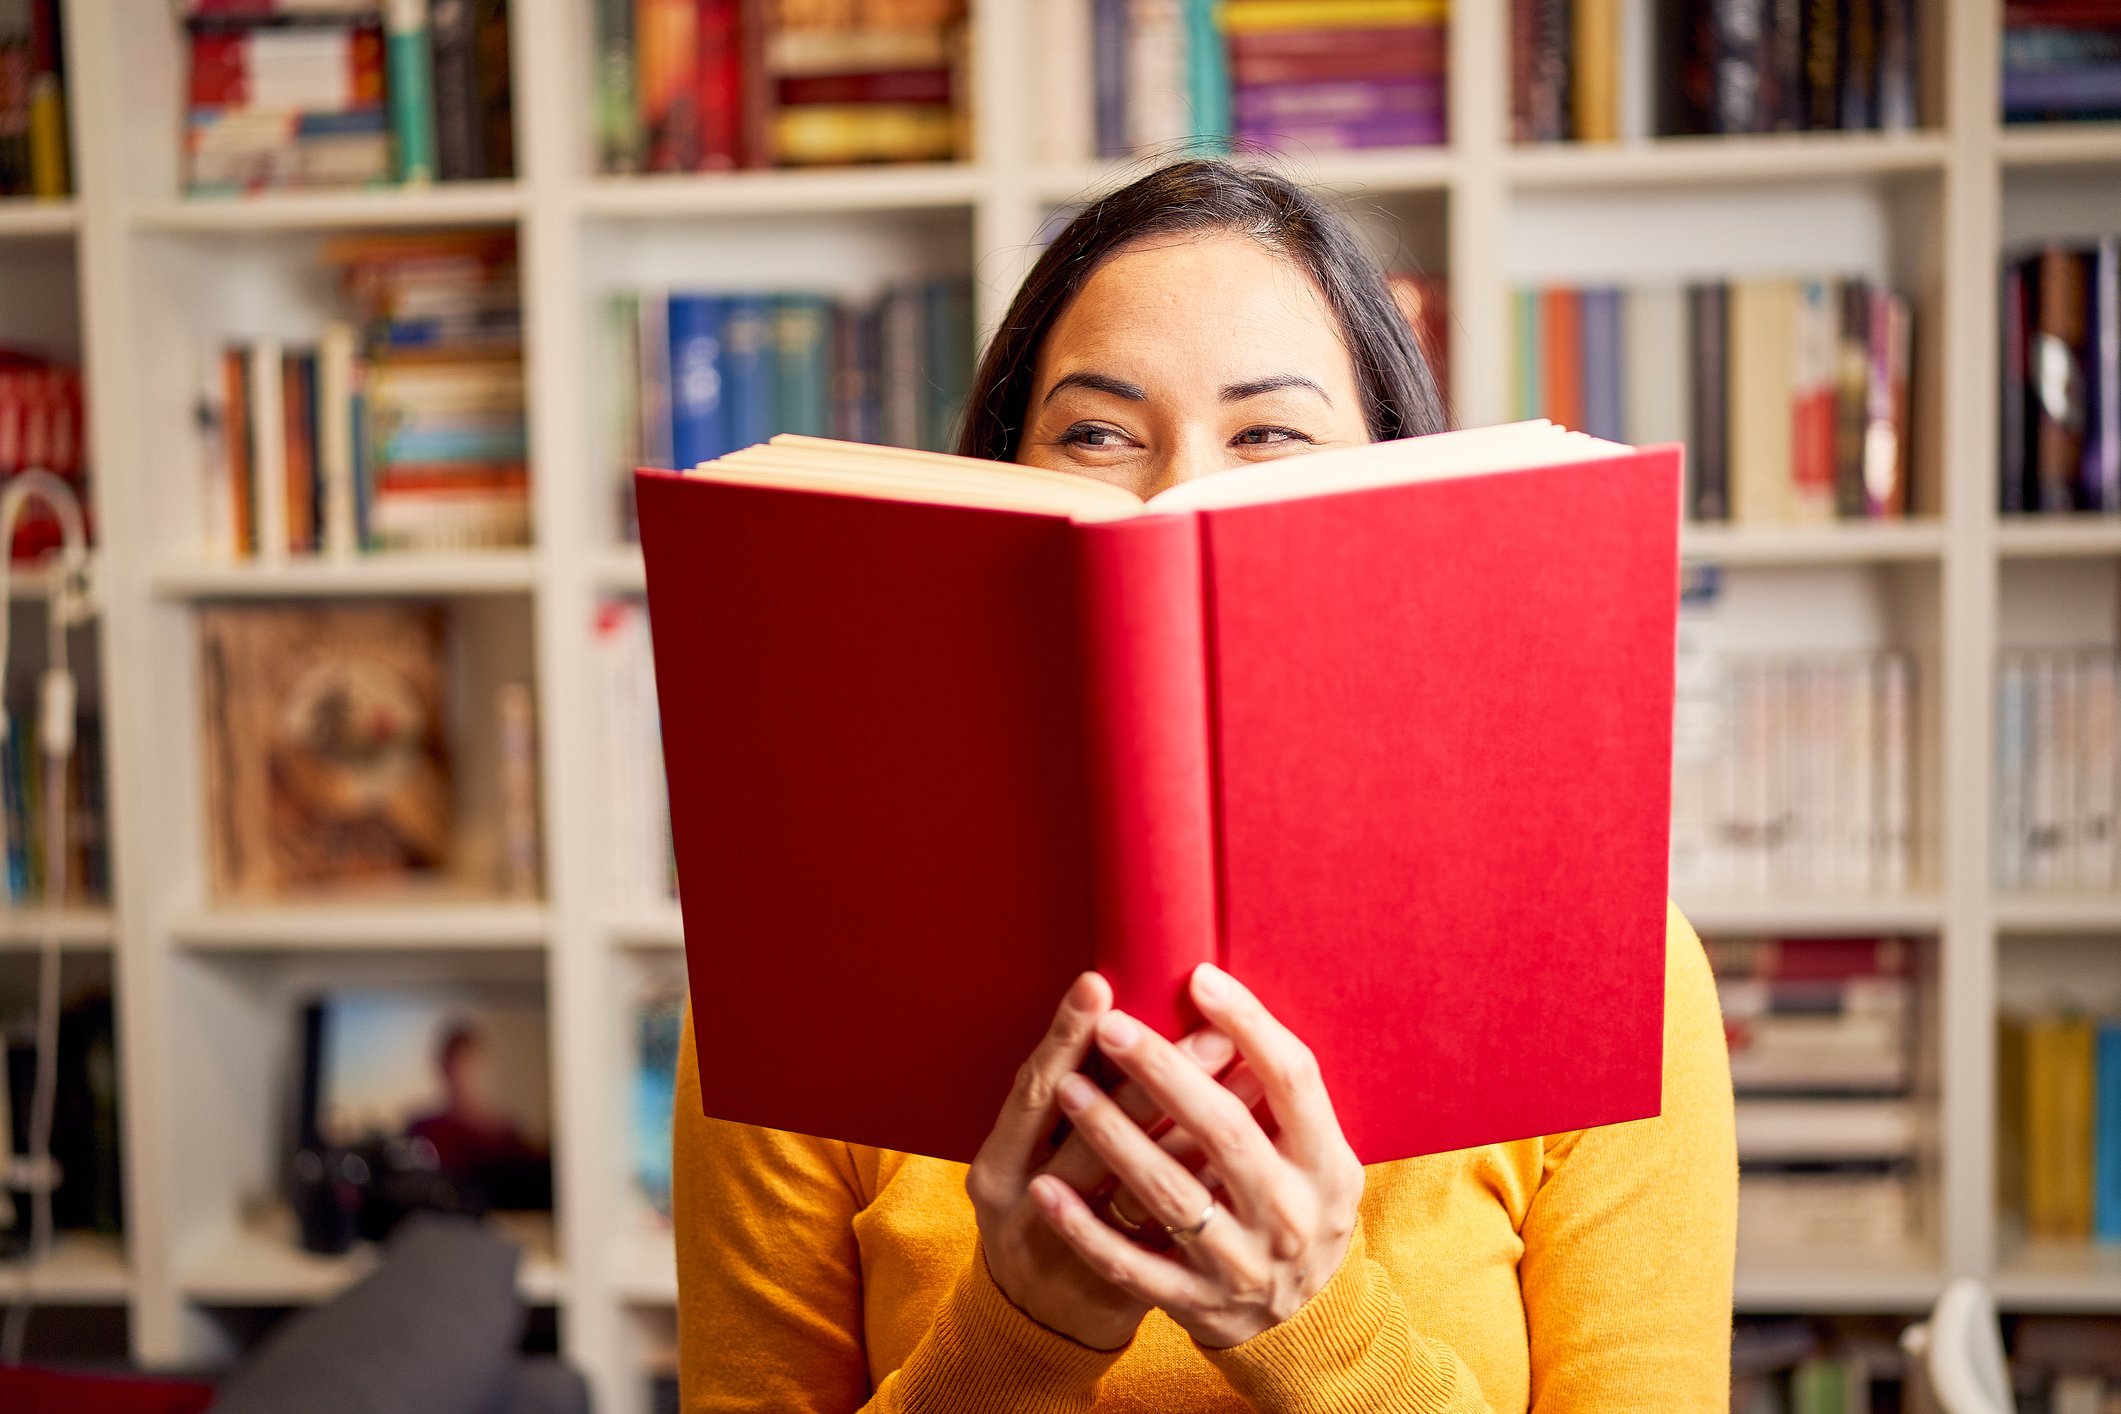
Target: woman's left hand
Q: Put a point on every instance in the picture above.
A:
(1279, 1228)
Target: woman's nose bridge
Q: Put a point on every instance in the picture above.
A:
(1186, 458)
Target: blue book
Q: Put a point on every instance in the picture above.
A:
(1207, 77)
(699, 421)
(2106, 1135)
(747, 368)
(1602, 416)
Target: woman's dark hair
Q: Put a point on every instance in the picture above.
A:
(1200, 197)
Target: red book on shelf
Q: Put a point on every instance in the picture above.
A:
(1384, 731)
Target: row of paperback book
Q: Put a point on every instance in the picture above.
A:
(694, 375)
(2061, 61)
(33, 145)
(352, 93)
(1792, 773)
(1145, 76)
(2058, 1093)
(2056, 771)
(43, 426)
(1792, 395)
(2061, 410)
(1822, 1041)
(400, 429)
(640, 869)
(1614, 70)
(704, 85)
(25, 783)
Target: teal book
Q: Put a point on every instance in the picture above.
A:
(946, 360)
(1207, 77)
(802, 364)
(409, 72)
(2106, 1136)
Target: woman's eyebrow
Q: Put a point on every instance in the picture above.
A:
(1097, 383)
(1273, 383)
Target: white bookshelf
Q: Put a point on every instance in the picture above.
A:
(142, 277)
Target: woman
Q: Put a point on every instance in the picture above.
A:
(1203, 318)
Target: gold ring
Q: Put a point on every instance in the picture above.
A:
(1183, 1235)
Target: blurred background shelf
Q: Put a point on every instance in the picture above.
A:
(2059, 144)
(1800, 917)
(2035, 537)
(1770, 158)
(382, 924)
(1824, 1283)
(662, 927)
(706, 195)
(1839, 542)
(261, 1265)
(84, 1269)
(2035, 913)
(406, 573)
(450, 204)
(37, 217)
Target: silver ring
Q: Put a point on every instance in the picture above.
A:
(1183, 1235)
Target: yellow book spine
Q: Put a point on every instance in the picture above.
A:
(832, 133)
(1596, 95)
(1255, 16)
(2076, 1044)
(1763, 356)
(47, 139)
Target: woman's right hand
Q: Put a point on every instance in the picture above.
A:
(1037, 1270)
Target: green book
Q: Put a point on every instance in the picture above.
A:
(409, 70)
(1820, 1386)
(1207, 77)
(946, 360)
(1530, 396)
(802, 364)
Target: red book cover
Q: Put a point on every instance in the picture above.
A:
(1398, 757)
(890, 86)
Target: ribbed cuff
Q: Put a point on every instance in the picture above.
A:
(983, 1354)
(1349, 1348)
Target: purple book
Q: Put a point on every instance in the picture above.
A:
(1354, 100)
(1393, 130)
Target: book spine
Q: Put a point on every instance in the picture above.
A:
(1885, 447)
(802, 365)
(618, 112)
(1207, 78)
(1109, 45)
(2095, 767)
(1708, 324)
(456, 98)
(721, 85)
(756, 143)
(1852, 380)
(1859, 64)
(268, 456)
(1552, 73)
(335, 437)
(412, 99)
(1897, 24)
(1813, 406)
(1896, 750)
(1595, 93)
(515, 721)
(747, 369)
(1151, 775)
(2103, 456)
(699, 418)
(2106, 1136)
(2012, 690)
(667, 83)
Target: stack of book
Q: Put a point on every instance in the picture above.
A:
(43, 426)
(2058, 1091)
(24, 786)
(1622, 70)
(703, 85)
(1791, 774)
(640, 871)
(354, 93)
(2061, 410)
(2056, 771)
(33, 147)
(1792, 395)
(1821, 1034)
(1288, 75)
(402, 430)
(695, 375)
(2061, 61)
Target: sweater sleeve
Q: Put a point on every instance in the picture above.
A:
(1630, 1240)
(770, 1291)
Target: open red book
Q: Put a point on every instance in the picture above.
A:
(1385, 732)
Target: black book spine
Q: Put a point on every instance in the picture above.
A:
(1739, 65)
(1852, 385)
(1859, 64)
(449, 31)
(1707, 321)
(493, 87)
(1896, 65)
(1822, 64)
(2011, 459)
(1553, 61)
(1783, 105)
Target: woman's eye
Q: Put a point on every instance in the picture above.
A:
(1089, 434)
(1268, 436)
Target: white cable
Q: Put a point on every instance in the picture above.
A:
(68, 604)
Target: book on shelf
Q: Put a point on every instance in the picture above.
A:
(987, 692)
(86, 1139)
(2059, 1124)
(657, 1018)
(43, 426)
(2061, 61)
(1144, 77)
(25, 786)
(2056, 771)
(34, 151)
(692, 375)
(355, 94)
(1792, 395)
(2061, 393)
(638, 866)
(400, 428)
(709, 85)
(1626, 70)
(1789, 770)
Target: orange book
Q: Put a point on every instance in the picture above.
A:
(297, 431)
(1562, 330)
(235, 385)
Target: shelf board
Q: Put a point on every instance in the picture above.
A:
(381, 925)
(1839, 542)
(1373, 171)
(1815, 917)
(29, 217)
(620, 571)
(84, 1269)
(2029, 537)
(909, 187)
(442, 204)
(1841, 1283)
(77, 927)
(484, 572)
(644, 1270)
(653, 926)
(2058, 144)
(2050, 1275)
(2058, 913)
(262, 1265)
(1771, 157)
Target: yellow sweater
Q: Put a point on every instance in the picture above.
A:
(1583, 1271)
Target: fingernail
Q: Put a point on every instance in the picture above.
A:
(1211, 1050)
(1211, 981)
(1117, 1029)
(1075, 1093)
(1080, 995)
